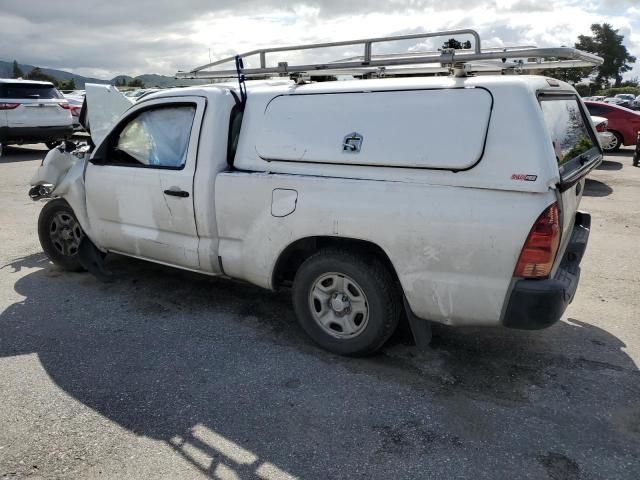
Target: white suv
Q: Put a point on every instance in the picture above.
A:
(33, 112)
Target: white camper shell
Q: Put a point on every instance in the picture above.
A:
(453, 198)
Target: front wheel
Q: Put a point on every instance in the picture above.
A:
(615, 143)
(60, 234)
(345, 304)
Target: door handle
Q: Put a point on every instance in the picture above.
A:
(177, 193)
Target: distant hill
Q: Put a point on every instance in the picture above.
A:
(149, 80)
(6, 68)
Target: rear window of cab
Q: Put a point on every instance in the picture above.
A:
(13, 91)
(572, 138)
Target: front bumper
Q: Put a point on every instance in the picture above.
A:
(34, 134)
(536, 304)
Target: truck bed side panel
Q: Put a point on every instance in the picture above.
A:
(454, 249)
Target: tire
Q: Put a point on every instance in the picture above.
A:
(347, 305)
(60, 235)
(615, 144)
(52, 145)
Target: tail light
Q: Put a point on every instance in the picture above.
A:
(8, 106)
(75, 110)
(602, 127)
(64, 105)
(540, 249)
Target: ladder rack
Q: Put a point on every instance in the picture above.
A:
(461, 61)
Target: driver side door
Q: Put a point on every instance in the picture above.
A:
(139, 183)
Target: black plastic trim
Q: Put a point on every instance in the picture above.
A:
(34, 134)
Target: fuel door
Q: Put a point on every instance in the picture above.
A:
(283, 202)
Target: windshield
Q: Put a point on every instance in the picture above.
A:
(28, 90)
(570, 135)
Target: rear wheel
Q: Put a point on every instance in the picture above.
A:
(347, 305)
(615, 143)
(60, 234)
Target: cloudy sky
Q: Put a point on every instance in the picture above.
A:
(103, 38)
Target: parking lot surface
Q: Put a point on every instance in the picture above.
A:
(166, 374)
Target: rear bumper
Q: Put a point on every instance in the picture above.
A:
(536, 304)
(34, 134)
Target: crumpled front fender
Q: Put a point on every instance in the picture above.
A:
(54, 167)
(61, 175)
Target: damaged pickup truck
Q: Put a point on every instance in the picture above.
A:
(356, 194)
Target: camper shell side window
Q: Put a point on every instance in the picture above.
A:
(413, 128)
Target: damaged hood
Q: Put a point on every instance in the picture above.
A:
(103, 106)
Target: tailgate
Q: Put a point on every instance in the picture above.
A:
(39, 113)
(569, 203)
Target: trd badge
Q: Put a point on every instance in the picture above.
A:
(352, 143)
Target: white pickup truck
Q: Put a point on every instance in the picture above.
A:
(453, 200)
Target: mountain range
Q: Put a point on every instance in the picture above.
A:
(149, 80)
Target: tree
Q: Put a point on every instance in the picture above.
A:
(17, 71)
(633, 82)
(38, 74)
(570, 75)
(607, 43)
(453, 43)
(584, 90)
(67, 84)
(136, 82)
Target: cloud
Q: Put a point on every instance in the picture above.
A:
(99, 38)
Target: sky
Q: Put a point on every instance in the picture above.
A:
(104, 38)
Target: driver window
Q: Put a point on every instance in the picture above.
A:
(156, 138)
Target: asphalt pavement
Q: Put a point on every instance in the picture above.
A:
(167, 374)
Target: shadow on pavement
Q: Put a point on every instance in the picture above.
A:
(610, 165)
(596, 188)
(220, 371)
(13, 153)
(625, 152)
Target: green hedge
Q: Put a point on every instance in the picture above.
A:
(610, 92)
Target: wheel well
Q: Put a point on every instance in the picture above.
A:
(295, 254)
(620, 135)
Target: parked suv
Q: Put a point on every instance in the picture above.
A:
(33, 112)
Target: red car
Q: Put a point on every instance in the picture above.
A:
(623, 123)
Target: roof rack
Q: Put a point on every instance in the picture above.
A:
(459, 62)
